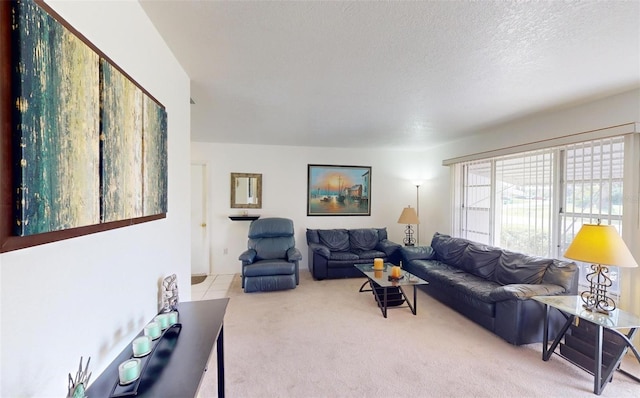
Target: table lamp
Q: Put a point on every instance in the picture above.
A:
(409, 216)
(602, 246)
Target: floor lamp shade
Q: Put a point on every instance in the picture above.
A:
(602, 246)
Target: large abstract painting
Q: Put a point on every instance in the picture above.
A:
(155, 170)
(121, 141)
(338, 190)
(89, 144)
(57, 119)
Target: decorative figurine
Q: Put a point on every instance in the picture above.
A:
(170, 293)
(78, 386)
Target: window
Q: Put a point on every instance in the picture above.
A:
(506, 202)
(592, 186)
(536, 201)
(476, 205)
(523, 210)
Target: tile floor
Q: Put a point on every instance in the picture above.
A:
(214, 287)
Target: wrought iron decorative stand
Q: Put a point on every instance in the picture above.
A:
(408, 240)
(596, 299)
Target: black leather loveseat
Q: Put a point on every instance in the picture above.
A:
(493, 286)
(333, 252)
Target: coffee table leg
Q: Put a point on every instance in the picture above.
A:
(367, 282)
(382, 302)
(384, 311)
(412, 307)
(415, 302)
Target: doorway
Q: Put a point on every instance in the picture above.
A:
(199, 230)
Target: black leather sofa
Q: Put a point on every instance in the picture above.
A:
(492, 286)
(333, 252)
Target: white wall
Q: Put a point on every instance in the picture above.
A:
(284, 184)
(89, 296)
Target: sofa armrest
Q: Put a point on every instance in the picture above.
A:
(387, 246)
(524, 291)
(293, 255)
(320, 249)
(248, 256)
(417, 253)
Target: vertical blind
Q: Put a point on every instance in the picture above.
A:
(525, 184)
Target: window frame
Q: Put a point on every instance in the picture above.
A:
(630, 186)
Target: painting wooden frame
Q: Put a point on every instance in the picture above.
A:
(53, 172)
(338, 190)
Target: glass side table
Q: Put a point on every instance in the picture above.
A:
(571, 307)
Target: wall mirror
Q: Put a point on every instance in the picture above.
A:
(246, 191)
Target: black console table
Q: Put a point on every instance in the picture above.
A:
(182, 369)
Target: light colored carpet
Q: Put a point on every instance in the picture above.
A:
(325, 339)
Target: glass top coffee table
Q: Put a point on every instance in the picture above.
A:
(379, 280)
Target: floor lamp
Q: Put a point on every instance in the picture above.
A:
(418, 212)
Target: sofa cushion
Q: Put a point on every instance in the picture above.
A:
(388, 247)
(448, 249)
(363, 239)
(474, 286)
(479, 306)
(410, 253)
(335, 239)
(431, 270)
(371, 254)
(269, 267)
(269, 283)
(562, 273)
(464, 288)
(343, 256)
(271, 227)
(312, 236)
(480, 260)
(520, 268)
(271, 248)
(382, 233)
(524, 291)
(320, 249)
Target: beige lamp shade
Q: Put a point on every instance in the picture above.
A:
(600, 244)
(408, 216)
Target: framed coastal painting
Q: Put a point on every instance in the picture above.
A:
(338, 190)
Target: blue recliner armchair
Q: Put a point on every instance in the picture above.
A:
(271, 261)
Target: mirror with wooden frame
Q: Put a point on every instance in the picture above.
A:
(246, 191)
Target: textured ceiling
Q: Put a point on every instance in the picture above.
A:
(391, 74)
